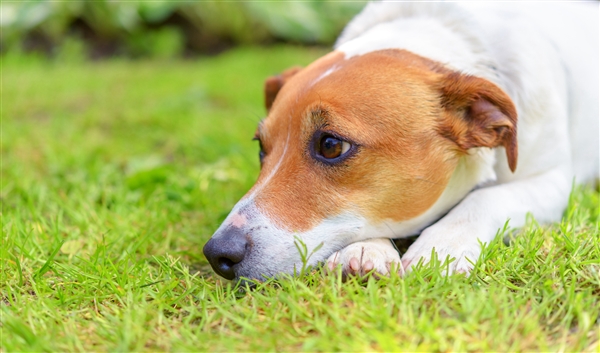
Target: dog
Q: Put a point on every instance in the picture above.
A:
(440, 119)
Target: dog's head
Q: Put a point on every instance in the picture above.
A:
(353, 149)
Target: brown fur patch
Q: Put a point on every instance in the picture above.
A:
(479, 115)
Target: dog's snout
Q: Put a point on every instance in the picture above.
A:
(226, 250)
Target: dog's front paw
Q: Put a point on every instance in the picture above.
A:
(462, 250)
(374, 256)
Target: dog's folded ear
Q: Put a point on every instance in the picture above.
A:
(478, 114)
(274, 83)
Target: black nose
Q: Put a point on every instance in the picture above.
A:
(225, 250)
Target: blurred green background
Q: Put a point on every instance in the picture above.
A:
(125, 141)
(97, 29)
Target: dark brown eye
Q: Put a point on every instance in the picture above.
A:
(331, 147)
(261, 152)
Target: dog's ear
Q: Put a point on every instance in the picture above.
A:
(478, 114)
(274, 83)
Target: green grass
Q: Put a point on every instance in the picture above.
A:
(115, 174)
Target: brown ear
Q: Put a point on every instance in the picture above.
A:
(479, 114)
(274, 83)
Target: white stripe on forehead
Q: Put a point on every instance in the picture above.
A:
(260, 186)
(324, 74)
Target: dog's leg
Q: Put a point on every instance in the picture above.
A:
(377, 256)
(479, 216)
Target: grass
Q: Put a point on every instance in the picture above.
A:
(115, 174)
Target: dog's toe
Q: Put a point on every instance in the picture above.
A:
(366, 258)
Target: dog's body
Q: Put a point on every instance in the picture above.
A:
(410, 126)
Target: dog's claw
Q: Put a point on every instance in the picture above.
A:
(354, 265)
(368, 266)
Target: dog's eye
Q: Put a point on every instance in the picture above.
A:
(261, 152)
(331, 147)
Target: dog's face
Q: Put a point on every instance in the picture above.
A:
(354, 149)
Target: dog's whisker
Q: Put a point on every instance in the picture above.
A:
(256, 116)
(391, 230)
(428, 181)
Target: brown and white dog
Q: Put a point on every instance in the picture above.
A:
(442, 119)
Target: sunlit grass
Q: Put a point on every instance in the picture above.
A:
(115, 174)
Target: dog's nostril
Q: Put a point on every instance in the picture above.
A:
(225, 263)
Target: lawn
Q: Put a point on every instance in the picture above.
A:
(115, 173)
